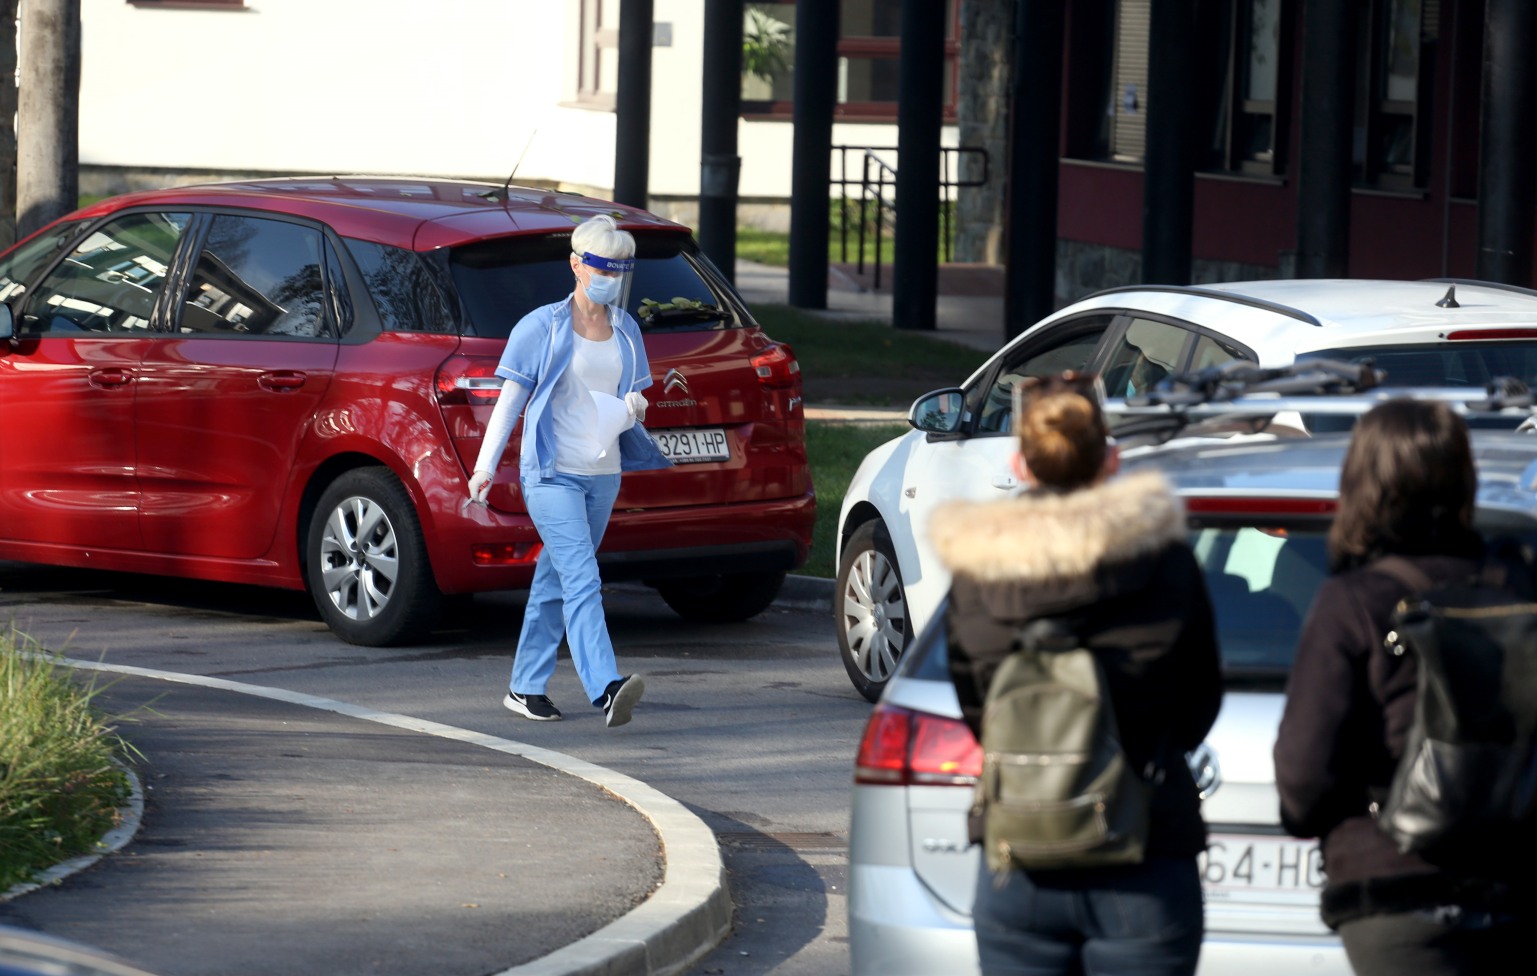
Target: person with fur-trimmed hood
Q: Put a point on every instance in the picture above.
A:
(1108, 557)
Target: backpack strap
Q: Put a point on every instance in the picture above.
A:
(1405, 572)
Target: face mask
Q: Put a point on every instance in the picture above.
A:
(603, 289)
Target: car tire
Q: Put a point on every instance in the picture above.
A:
(728, 598)
(870, 605)
(366, 562)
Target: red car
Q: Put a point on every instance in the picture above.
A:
(285, 383)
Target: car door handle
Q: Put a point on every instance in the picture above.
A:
(281, 382)
(1005, 482)
(107, 379)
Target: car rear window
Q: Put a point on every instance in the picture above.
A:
(1458, 363)
(502, 280)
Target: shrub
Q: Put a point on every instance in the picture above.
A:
(60, 788)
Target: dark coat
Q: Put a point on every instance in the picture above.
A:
(1112, 563)
(1349, 705)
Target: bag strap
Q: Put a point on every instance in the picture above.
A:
(1405, 572)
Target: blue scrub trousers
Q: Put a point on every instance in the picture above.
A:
(571, 513)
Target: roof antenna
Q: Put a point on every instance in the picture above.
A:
(491, 194)
(1449, 300)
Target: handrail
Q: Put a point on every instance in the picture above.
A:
(874, 177)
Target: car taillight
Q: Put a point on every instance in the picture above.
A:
(902, 747)
(776, 366)
(468, 380)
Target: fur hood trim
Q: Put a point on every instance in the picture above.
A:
(1041, 537)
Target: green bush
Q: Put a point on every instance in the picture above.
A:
(60, 789)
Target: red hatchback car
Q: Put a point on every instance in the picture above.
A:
(285, 383)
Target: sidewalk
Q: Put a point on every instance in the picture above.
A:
(286, 835)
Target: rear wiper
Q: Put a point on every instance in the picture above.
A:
(672, 316)
(653, 312)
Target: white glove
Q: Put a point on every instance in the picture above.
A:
(637, 404)
(480, 486)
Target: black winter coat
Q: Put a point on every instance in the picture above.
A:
(1349, 705)
(1112, 563)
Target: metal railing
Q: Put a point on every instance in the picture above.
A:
(872, 206)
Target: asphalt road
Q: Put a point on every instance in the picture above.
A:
(752, 726)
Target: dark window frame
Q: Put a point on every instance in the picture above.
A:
(871, 48)
(1379, 116)
(596, 42)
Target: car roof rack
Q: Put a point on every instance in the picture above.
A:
(1476, 283)
(1237, 298)
(1239, 397)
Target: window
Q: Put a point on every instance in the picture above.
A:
(1068, 345)
(111, 281)
(23, 264)
(403, 288)
(597, 61)
(1393, 92)
(257, 277)
(1147, 352)
(1250, 134)
(1239, 84)
(869, 49)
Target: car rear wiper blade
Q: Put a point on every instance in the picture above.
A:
(681, 310)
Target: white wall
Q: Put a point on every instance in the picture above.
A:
(448, 87)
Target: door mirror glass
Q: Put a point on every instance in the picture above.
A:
(940, 412)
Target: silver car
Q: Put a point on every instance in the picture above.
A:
(1259, 509)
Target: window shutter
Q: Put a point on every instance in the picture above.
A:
(1128, 106)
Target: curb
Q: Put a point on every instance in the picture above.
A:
(806, 593)
(685, 917)
(130, 814)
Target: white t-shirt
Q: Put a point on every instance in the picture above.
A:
(587, 435)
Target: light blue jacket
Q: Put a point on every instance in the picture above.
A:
(537, 353)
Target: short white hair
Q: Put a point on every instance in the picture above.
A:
(600, 235)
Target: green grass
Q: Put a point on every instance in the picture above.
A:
(866, 363)
(835, 450)
(59, 787)
(773, 248)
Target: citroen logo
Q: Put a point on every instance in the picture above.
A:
(674, 380)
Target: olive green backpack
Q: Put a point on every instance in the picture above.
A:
(1056, 791)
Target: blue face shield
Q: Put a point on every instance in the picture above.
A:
(606, 289)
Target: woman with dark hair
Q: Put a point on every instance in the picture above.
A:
(1106, 559)
(1407, 489)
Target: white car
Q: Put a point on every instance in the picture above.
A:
(1420, 333)
(1259, 510)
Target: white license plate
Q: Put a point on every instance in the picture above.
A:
(1262, 869)
(696, 444)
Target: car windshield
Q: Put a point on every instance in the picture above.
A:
(501, 280)
(1453, 363)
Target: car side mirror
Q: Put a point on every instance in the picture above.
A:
(940, 412)
(7, 322)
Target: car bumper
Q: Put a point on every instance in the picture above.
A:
(898, 928)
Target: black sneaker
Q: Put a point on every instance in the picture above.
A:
(619, 698)
(537, 707)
